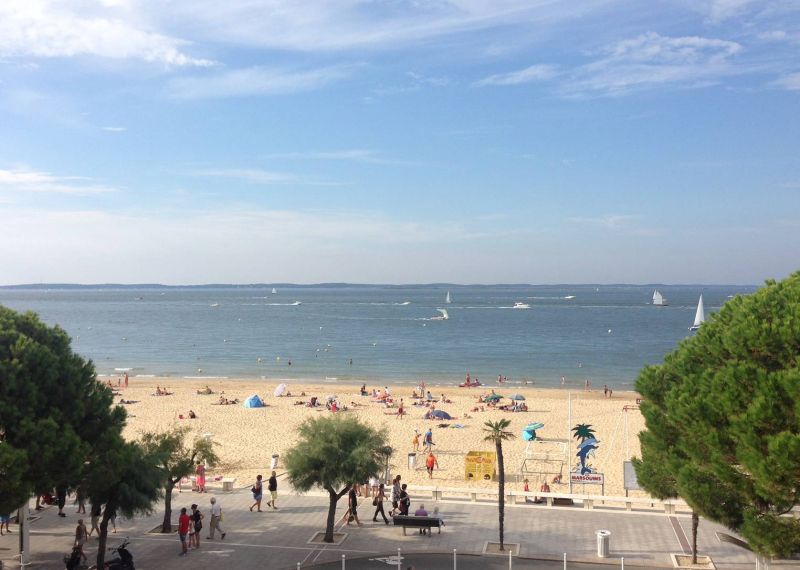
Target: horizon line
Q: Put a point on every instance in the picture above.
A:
(349, 284)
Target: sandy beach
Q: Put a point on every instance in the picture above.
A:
(247, 438)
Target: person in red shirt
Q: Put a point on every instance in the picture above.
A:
(430, 463)
(183, 530)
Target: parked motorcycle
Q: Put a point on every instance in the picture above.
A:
(123, 559)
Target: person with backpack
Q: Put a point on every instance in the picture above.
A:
(405, 500)
(258, 493)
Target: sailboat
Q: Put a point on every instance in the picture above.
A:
(447, 299)
(274, 290)
(659, 300)
(699, 316)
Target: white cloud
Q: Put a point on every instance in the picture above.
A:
(719, 10)
(26, 181)
(540, 72)
(115, 129)
(651, 60)
(47, 28)
(790, 82)
(352, 24)
(255, 81)
(618, 223)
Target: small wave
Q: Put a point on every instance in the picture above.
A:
(123, 369)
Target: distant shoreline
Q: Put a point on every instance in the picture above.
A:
(334, 285)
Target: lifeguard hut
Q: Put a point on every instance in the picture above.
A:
(480, 465)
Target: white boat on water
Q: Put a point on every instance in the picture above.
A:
(659, 300)
(699, 316)
(296, 303)
(274, 290)
(444, 316)
(447, 299)
(214, 305)
(521, 305)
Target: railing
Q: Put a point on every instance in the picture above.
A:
(588, 501)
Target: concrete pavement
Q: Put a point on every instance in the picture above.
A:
(279, 539)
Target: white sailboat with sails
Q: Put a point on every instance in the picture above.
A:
(699, 316)
(447, 299)
(659, 300)
(274, 290)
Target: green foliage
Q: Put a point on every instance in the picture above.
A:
(175, 460)
(333, 451)
(723, 419)
(123, 477)
(52, 408)
(12, 466)
(496, 431)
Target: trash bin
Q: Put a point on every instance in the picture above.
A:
(274, 463)
(603, 539)
(412, 461)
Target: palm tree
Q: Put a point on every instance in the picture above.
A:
(496, 432)
(583, 432)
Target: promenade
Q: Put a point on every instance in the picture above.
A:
(279, 539)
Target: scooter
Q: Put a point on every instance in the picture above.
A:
(123, 559)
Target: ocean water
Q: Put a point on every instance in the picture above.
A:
(602, 333)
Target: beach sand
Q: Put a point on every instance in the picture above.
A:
(247, 438)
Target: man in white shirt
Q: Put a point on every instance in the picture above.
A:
(216, 516)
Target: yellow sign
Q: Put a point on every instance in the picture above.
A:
(480, 465)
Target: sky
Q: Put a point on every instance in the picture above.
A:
(399, 141)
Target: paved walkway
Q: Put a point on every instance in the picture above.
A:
(279, 539)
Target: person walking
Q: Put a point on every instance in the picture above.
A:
(81, 537)
(61, 499)
(258, 492)
(415, 440)
(405, 500)
(352, 502)
(429, 440)
(400, 410)
(430, 463)
(216, 517)
(197, 526)
(380, 496)
(183, 530)
(112, 518)
(395, 495)
(80, 499)
(272, 487)
(4, 521)
(97, 510)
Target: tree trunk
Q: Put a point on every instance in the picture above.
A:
(501, 503)
(166, 525)
(101, 544)
(334, 498)
(695, 523)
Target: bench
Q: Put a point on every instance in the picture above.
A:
(417, 522)
(227, 483)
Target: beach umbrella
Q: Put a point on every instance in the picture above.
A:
(280, 390)
(437, 415)
(493, 398)
(529, 431)
(518, 397)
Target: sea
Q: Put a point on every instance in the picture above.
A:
(376, 334)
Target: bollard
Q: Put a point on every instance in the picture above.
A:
(298, 566)
(565, 561)
(343, 563)
(509, 560)
(454, 559)
(398, 560)
(622, 563)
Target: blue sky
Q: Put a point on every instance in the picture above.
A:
(399, 141)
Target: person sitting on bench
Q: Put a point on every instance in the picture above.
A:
(421, 512)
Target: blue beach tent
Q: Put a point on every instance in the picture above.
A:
(253, 402)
